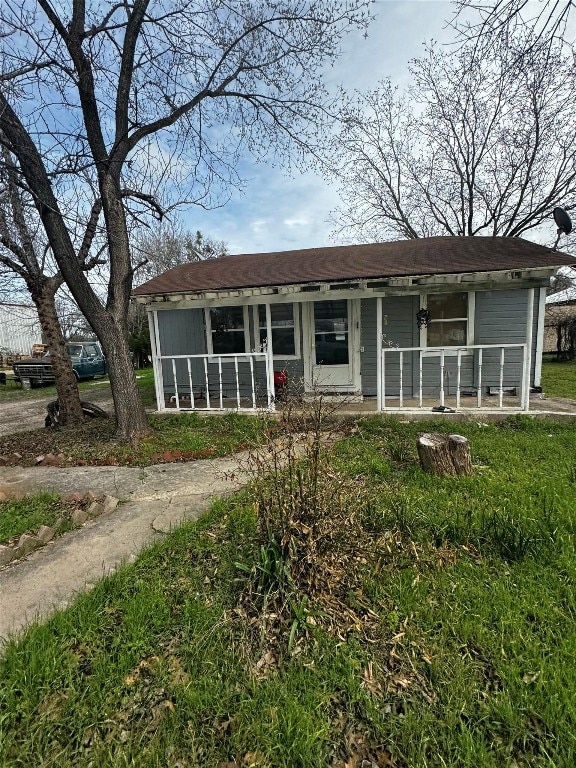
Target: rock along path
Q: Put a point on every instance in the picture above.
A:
(155, 499)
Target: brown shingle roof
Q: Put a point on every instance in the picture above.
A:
(404, 258)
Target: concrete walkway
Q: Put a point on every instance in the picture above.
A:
(156, 499)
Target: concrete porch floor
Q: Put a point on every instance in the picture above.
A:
(540, 405)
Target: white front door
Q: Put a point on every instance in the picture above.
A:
(332, 349)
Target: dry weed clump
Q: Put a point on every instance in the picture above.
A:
(308, 513)
(322, 538)
(315, 542)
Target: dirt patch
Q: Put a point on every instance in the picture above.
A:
(25, 414)
(24, 438)
(87, 443)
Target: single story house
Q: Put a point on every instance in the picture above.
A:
(411, 323)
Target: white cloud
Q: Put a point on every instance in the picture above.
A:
(258, 226)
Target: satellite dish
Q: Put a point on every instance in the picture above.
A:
(563, 221)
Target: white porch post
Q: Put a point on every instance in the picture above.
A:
(270, 359)
(540, 338)
(156, 362)
(379, 382)
(528, 356)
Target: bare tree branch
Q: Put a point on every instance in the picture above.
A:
(144, 102)
(480, 144)
(149, 199)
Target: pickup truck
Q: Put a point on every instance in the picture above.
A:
(87, 362)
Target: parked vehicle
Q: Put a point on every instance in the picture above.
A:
(87, 362)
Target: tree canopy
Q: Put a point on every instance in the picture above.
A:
(547, 20)
(482, 143)
(114, 112)
(167, 247)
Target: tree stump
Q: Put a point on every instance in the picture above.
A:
(460, 454)
(444, 454)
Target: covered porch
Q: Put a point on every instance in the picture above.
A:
(245, 357)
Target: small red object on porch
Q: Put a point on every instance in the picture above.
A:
(280, 380)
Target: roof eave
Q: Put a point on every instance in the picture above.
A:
(351, 287)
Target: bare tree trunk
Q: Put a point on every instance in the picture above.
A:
(444, 454)
(109, 322)
(70, 408)
(131, 419)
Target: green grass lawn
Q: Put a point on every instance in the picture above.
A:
(559, 379)
(456, 646)
(13, 390)
(26, 515)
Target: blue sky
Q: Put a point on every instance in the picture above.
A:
(277, 212)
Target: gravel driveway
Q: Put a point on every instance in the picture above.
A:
(23, 414)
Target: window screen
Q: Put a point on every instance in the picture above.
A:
(227, 325)
(448, 326)
(331, 332)
(283, 335)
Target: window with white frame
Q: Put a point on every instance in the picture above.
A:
(451, 319)
(285, 329)
(227, 330)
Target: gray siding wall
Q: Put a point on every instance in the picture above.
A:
(399, 314)
(501, 319)
(368, 341)
(181, 332)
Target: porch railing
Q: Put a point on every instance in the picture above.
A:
(225, 382)
(393, 368)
